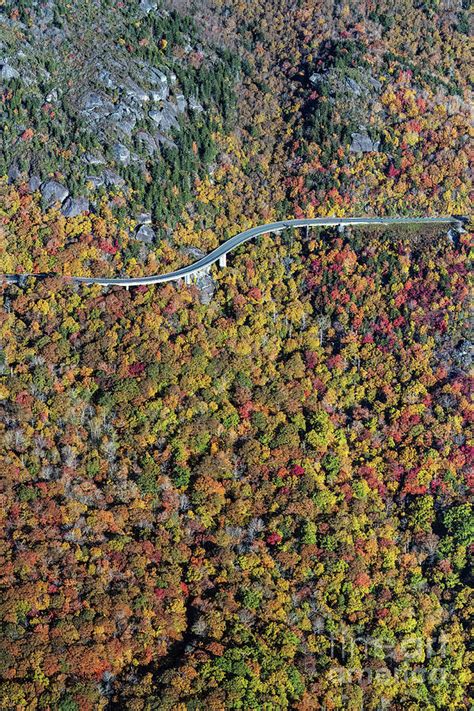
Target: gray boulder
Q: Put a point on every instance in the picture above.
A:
(194, 253)
(353, 86)
(52, 96)
(207, 287)
(53, 192)
(203, 279)
(93, 159)
(146, 6)
(144, 218)
(194, 105)
(7, 72)
(106, 79)
(121, 153)
(156, 77)
(362, 143)
(34, 183)
(75, 206)
(316, 79)
(181, 103)
(375, 83)
(14, 173)
(145, 234)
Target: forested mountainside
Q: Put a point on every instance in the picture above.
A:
(252, 492)
(153, 127)
(258, 502)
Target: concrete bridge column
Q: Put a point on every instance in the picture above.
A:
(223, 260)
(187, 279)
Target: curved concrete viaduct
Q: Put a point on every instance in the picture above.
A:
(219, 254)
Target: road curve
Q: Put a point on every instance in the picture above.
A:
(240, 238)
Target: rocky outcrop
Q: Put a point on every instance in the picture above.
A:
(145, 234)
(52, 193)
(14, 173)
(166, 118)
(194, 105)
(7, 72)
(96, 104)
(93, 159)
(112, 180)
(144, 218)
(121, 153)
(147, 142)
(147, 6)
(362, 143)
(159, 81)
(97, 181)
(75, 206)
(34, 183)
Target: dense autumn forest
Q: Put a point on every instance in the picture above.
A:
(254, 491)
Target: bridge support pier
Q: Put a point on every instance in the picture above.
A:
(187, 279)
(223, 260)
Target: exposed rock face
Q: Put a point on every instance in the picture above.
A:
(124, 119)
(97, 181)
(206, 286)
(181, 103)
(13, 173)
(7, 72)
(146, 6)
(148, 142)
(161, 138)
(194, 105)
(314, 78)
(53, 192)
(95, 103)
(112, 180)
(34, 183)
(353, 86)
(75, 206)
(165, 118)
(362, 143)
(145, 234)
(160, 84)
(121, 153)
(126, 105)
(52, 96)
(375, 83)
(133, 91)
(94, 159)
(144, 218)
